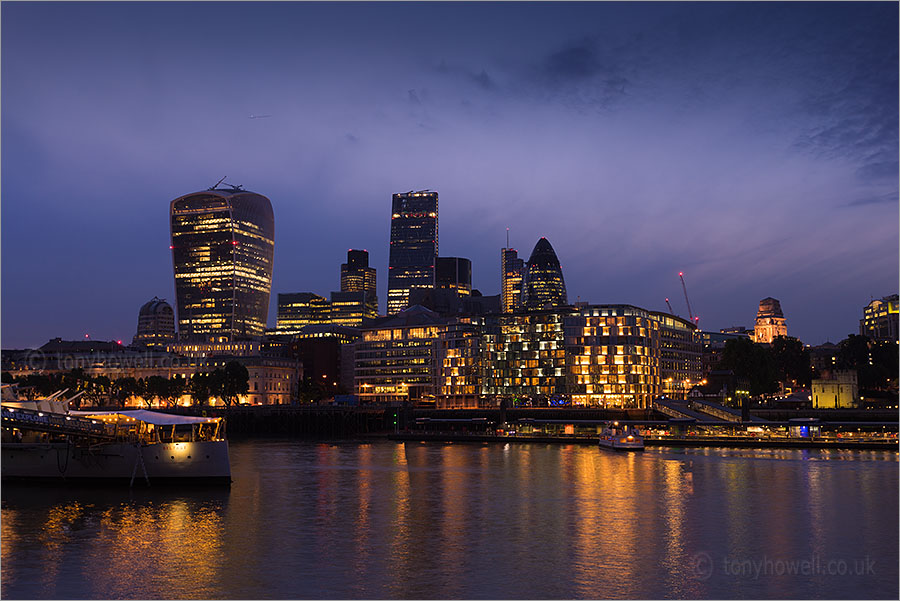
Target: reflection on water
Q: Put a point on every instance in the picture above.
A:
(387, 520)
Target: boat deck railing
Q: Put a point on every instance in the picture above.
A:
(54, 423)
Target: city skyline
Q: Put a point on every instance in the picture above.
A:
(752, 147)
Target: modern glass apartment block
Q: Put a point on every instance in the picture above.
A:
(458, 365)
(357, 276)
(453, 273)
(394, 360)
(523, 355)
(612, 356)
(222, 252)
(512, 269)
(680, 355)
(301, 309)
(543, 286)
(414, 246)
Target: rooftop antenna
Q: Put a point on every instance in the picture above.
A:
(216, 185)
(507, 238)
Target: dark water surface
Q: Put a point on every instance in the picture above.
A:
(394, 520)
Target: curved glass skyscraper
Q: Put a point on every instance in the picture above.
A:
(543, 285)
(222, 252)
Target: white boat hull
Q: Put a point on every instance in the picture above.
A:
(184, 462)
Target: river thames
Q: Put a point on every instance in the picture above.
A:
(417, 520)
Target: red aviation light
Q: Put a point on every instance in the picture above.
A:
(680, 273)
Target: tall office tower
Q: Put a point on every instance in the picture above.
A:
(512, 268)
(300, 309)
(156, 324)
(769, 321)
(543, 285)
(357, 276)
(223, 245)
(414, 246)
(453, 273)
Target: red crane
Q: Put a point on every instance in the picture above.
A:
(684, 287)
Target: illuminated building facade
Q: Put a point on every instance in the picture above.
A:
(222, 252)
(613, 356)
(543, 285)
(839, 391)
(395, 358)
(512, 270)
(272, 380)
(350, 308)
(300, 309)
(453, 273)
(880, 318)
(680, 355)
(458, 369)
(770, 321)
(524, 354)
(357, 276)
(156, 324)
(414, 246)
(597, 355)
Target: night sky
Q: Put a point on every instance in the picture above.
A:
(753, 146)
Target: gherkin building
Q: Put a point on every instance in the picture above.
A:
(543, 285)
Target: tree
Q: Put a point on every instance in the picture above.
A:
(157, 388)
(790, 361)
(175, 387)
(233, 382)
(122, 389)
(751, 362)
(200, 388)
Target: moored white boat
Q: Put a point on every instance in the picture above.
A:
(108, 446)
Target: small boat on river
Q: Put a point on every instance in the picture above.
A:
(621, 438)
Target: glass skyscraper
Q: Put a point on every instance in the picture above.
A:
(543, 286)
(222, 252)
(512, 268)
(414, 246)
(453, 273)
(357, 276)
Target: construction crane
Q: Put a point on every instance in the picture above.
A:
(686, 300)
(669, 305)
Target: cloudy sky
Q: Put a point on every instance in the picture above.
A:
(752, 146)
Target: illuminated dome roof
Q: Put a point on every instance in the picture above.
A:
(543, 285)
(157, 305)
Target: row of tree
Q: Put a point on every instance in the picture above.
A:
(226, 384)
(787, 362)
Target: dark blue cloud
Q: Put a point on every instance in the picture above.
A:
(722, 139)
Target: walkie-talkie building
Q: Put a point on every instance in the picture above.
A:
(222, 252)
(414, 246)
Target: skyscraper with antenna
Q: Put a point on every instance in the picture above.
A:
(512, 269)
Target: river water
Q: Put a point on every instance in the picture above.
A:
(428, 520)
